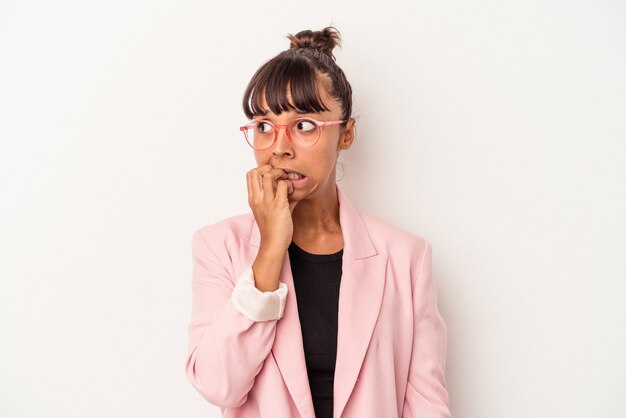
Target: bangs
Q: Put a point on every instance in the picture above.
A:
(282, 74)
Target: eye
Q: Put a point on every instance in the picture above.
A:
(264, 127)
(305, 125)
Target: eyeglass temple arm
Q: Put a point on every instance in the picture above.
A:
(334, 122)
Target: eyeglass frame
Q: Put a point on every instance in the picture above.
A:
(277, 127)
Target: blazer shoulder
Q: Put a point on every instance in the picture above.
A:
(228, 229)
(391, 238)
(408, 251)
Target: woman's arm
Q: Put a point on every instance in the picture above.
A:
(426, 395)
(232, 328)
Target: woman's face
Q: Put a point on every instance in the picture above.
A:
(316, 163)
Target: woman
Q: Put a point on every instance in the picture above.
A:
(308, 307)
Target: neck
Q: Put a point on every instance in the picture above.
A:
(317, 214)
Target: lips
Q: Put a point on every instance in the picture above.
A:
(298, 180)
(292, 173)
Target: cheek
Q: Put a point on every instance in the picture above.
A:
(261, 157)
(322, 165)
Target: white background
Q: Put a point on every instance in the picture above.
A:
(495, 129)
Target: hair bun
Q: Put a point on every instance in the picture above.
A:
(323, 40)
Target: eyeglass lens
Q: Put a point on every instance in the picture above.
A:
(303, 132)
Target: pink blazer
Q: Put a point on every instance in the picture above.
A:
(391, 342)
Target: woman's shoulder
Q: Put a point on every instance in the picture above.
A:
(391, 237)
(232, 227)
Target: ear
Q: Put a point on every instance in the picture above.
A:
(347, 138)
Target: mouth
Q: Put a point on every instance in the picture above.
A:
(298, 180)
(294, 176)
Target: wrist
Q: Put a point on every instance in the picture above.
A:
(266, 269)
(272, 251)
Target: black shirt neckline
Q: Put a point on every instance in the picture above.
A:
(314, 258)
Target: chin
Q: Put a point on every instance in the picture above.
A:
(301, 194)
(291, 196)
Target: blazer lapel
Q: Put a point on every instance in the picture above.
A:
(360, 297)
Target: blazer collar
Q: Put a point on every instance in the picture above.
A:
(357, 242)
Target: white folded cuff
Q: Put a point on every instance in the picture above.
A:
(257, 305)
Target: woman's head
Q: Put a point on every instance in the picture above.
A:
(303, 81)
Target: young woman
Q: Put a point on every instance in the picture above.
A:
(309, 307)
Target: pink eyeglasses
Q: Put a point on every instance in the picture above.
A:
(303, 132)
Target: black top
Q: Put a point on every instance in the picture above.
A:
(316, 280)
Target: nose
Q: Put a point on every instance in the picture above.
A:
(283, 145)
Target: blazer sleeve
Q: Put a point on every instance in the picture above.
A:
(232, 328)
(426, 395)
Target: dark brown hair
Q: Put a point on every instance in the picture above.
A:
(298, 70)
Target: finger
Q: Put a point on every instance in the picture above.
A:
(283, 189)
(258, 173)
(254, 182)
(258, 176)
(274, 173)
(262, 169)
(268, 188)
(278, 173)
(249, 186)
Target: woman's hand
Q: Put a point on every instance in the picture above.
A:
(268, 188)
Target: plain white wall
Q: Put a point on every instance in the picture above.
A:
(493, 128)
